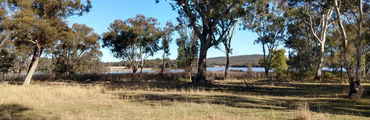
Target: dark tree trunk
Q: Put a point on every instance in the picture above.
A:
(341, 66)
(33, 59)
(134, 70)
(355, 89)
(227, 64)
(141, 69)
(21, 62)
(202, 65)
(267, 72)
(265, 60)
(162, 68)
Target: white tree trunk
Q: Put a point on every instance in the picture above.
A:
(27, 81)
(320, 62)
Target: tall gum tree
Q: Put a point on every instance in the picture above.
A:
(133, 39)
(354, 15)
(269, 26)
(166, 40)
(203, 17)
(226, 41)
(320, 20)
(36, 23)
(187, 49)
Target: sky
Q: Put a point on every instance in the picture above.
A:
(104, 12)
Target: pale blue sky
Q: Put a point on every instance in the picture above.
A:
(105, 12)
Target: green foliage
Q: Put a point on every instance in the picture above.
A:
(279, 62)
(77, 41)
(38, 22)
(270, 26)
(188, 48)
(46, 65)
(261, 62)
(132, 38)
(7, 60)
(167, 37)
(90, 63)
(204, 17)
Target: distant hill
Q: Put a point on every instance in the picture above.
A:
(240, 60)
(236, 61)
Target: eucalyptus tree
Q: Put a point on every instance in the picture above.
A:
(187, 49)
(203, 17)
(166, 40)
(270, 26)
(302, 48)
(320, 20)
(36, 23)
(354, 15)
(132, 38)
(76, 42)
(226, 41)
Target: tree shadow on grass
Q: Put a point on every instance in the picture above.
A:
(322, 98)
(281, 95)
(14, 112)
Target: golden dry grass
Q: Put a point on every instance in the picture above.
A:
(89, 102)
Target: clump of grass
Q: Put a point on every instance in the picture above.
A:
(303, 112)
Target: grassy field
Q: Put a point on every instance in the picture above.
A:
(224, 100)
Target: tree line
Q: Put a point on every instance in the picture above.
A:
(314, 32)
(36, 31)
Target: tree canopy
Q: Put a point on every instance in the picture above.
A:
(132, 38)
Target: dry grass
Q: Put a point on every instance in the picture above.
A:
(303, 112)
(101, 101)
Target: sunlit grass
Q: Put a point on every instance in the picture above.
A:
(101, 101)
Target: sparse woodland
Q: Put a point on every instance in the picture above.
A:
(315, 61)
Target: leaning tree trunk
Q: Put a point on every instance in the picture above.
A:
(35, 52)
(202, 65)
(33, 66)
(320, 62)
